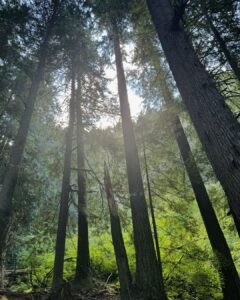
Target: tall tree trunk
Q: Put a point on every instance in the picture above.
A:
(117, 238)
(148, 277)
(83, 257)
(11, 175)
(215, 124)
(64, 201)
(2, 271)
(227, 269)
(154, 224)
(222, 44)
(231, 282)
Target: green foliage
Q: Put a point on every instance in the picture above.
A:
(189, 265)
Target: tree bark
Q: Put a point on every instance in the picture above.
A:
(11, 175)
(226, 266)
(236, 221)
(231, 282)
(64, 201)
(117, 238)
(2, 271)
(83, 257)
(215, 124)
(148, 277)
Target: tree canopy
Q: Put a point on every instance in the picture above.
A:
(102, 198)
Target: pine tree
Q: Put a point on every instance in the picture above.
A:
(117, 238)
(83, 258)
(148, 274)
(11, 175)
(65, 194)
(214, 122)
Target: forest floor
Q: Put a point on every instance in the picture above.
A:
(96, 290)
(8, 295)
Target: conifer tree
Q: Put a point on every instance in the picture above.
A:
(65, 193)
(117, 238)
(11, 175)
(148, 273)
(215, 124)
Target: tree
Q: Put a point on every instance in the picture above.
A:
(227, 269)
(81, 53)
(148, 275)
(221, 42)
(213, 28)
(231, 282)
(83, 259)
(117, 238)
(150, 57)
(11, 175)
(65, 193)
(214, 122)
(154, 224)
(92, 100)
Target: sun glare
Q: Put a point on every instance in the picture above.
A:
(135, 101)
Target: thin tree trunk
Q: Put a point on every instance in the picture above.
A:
(148, 277)
(11, 175)
(215, 124)
(231, 282)
(222, 44)
(227, 269)
(152, 208)
(64, 201)
(83, 257)
(2, 270)
(117, 238)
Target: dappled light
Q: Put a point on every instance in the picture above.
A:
(119, 150)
